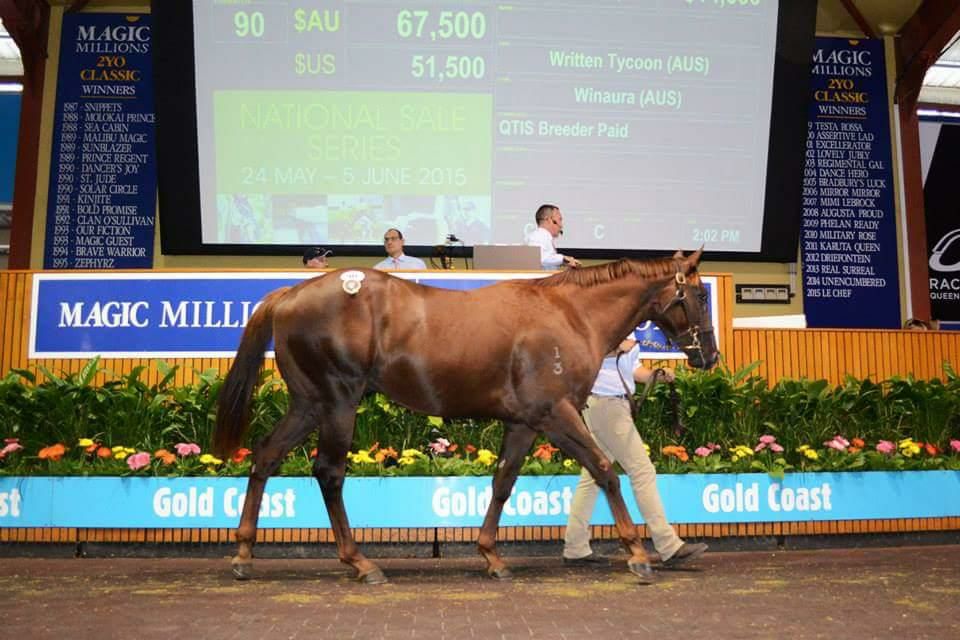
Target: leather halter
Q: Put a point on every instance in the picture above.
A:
(690, 340)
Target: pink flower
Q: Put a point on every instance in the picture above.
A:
(955, 445)
(703, 452)
(187, 449)
(768, 441)
(887, 447)
(10, 445)
(839, 443)
(138, 460)
(440, 445)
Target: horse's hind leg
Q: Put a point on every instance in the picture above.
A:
(329, 469)
(517, 439)
(292, 429)
(568, 432)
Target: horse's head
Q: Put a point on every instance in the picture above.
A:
(682, 314)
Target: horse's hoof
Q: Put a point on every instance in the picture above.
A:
(374, 577)
(242, 571)
(643, 571)
(503, 573)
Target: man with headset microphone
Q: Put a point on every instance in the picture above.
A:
(549, 226)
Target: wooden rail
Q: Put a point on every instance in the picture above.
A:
(468, 535)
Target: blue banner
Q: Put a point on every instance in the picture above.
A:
(102, 200)
(849, 237)
(462, 501)
(9, 128)
(187, 315)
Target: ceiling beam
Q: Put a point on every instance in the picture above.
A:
(921, 40)
(939, 106)
(26, 22)
(858, 18)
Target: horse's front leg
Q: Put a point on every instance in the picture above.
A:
(568, 432)
(329, 469)
(517, 439)
(290, 431)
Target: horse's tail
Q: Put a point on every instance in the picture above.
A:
(233, 410)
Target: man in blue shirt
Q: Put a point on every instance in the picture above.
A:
(396, 259)
(608, 417)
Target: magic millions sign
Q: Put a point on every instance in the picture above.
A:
(201, 315)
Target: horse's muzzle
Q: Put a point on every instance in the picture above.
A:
(701, 348)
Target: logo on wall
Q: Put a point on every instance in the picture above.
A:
(943, 235)
(939, 249)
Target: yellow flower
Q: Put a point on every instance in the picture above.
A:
(85, 442)
(121, 453)
(808, 452)
(647, 447)
(908, 447)
(568, 463)
(740, 451)
(406, 460)
(486, 457)
(412, 453)
(362, 457)
(210, 459)
(435, 421)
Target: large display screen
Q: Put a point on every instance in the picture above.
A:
(648, 123)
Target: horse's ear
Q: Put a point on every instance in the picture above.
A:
(678, 255)
(694, 259)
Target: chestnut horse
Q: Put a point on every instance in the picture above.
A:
(525, 352)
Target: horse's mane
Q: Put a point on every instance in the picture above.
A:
(591, 276)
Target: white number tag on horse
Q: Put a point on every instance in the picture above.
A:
(352, 281)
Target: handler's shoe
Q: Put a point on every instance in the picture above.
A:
(685, 555)
(592, 560)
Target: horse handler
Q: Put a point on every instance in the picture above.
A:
(610, 421)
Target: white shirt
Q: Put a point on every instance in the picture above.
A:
(403, 261)
(608, 380)
(549, 258)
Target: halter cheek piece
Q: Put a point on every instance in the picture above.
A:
(689, 340)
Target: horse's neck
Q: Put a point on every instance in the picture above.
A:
(615, 308)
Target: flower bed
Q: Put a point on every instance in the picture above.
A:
(730, 423)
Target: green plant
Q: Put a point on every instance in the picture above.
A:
(67, 425)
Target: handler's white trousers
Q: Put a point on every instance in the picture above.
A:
(611, 425)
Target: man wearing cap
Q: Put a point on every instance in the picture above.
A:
(610, 422)
(316, 258)
(396, 259)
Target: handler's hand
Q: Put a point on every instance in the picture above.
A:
(668, 375)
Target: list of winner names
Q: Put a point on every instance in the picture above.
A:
(103, 148)
(842, 210)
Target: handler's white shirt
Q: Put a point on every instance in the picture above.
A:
(608, 381)
(549, 258)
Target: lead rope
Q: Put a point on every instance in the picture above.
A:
(678, 426)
